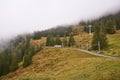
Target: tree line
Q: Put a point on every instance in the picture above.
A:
(18, 49)
(110, 22)
(56, 40)
(103, 26)
(59, 30)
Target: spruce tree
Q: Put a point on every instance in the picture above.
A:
(14, 62)
(99, 36)
(4, 62)
(48, 40)
(52, 41)
(110, 26)
(58, 41)
(27, 59)
(65, 42)
(71, 40)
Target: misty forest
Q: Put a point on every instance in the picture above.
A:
(86, 50)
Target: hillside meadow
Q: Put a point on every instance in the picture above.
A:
(112, 49)
(67, 64)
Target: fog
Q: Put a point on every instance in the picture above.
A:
(24, 16)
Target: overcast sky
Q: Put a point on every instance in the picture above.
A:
(19, 16)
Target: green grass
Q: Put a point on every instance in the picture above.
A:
(113, 47)
(114, 44)
(67, 64)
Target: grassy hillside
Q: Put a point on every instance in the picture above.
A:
(113, 47)
(38, 42)
(67, 64)
(114, 44)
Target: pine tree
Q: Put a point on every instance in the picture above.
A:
(99, 36)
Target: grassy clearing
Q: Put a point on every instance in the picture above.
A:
(67, 64)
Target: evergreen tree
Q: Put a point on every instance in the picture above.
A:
(37, 35)
(65, 42)
(52, 41)
(48, 40)
(99, 36)
(32, 50)
(4, 62)
(110, 26)
(13, 54)
(19, 52)
(27, 59)
(58, 41)
(71, 40)
(14, 62)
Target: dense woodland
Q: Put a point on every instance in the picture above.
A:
(19, 49)
(16, 51)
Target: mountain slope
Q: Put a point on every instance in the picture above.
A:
(113, 47)
(67, 64)
(114, 44)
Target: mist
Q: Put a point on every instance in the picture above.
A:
(26, 16)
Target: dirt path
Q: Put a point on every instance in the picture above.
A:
(103, 55)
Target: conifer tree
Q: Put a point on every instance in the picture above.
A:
(52, 41)
(71, 40)
(58, 41)
(48, 40)
(110, 26)
(4, 62)
(65, 42)
(27, 59)
(14, 62)
(99, 36)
